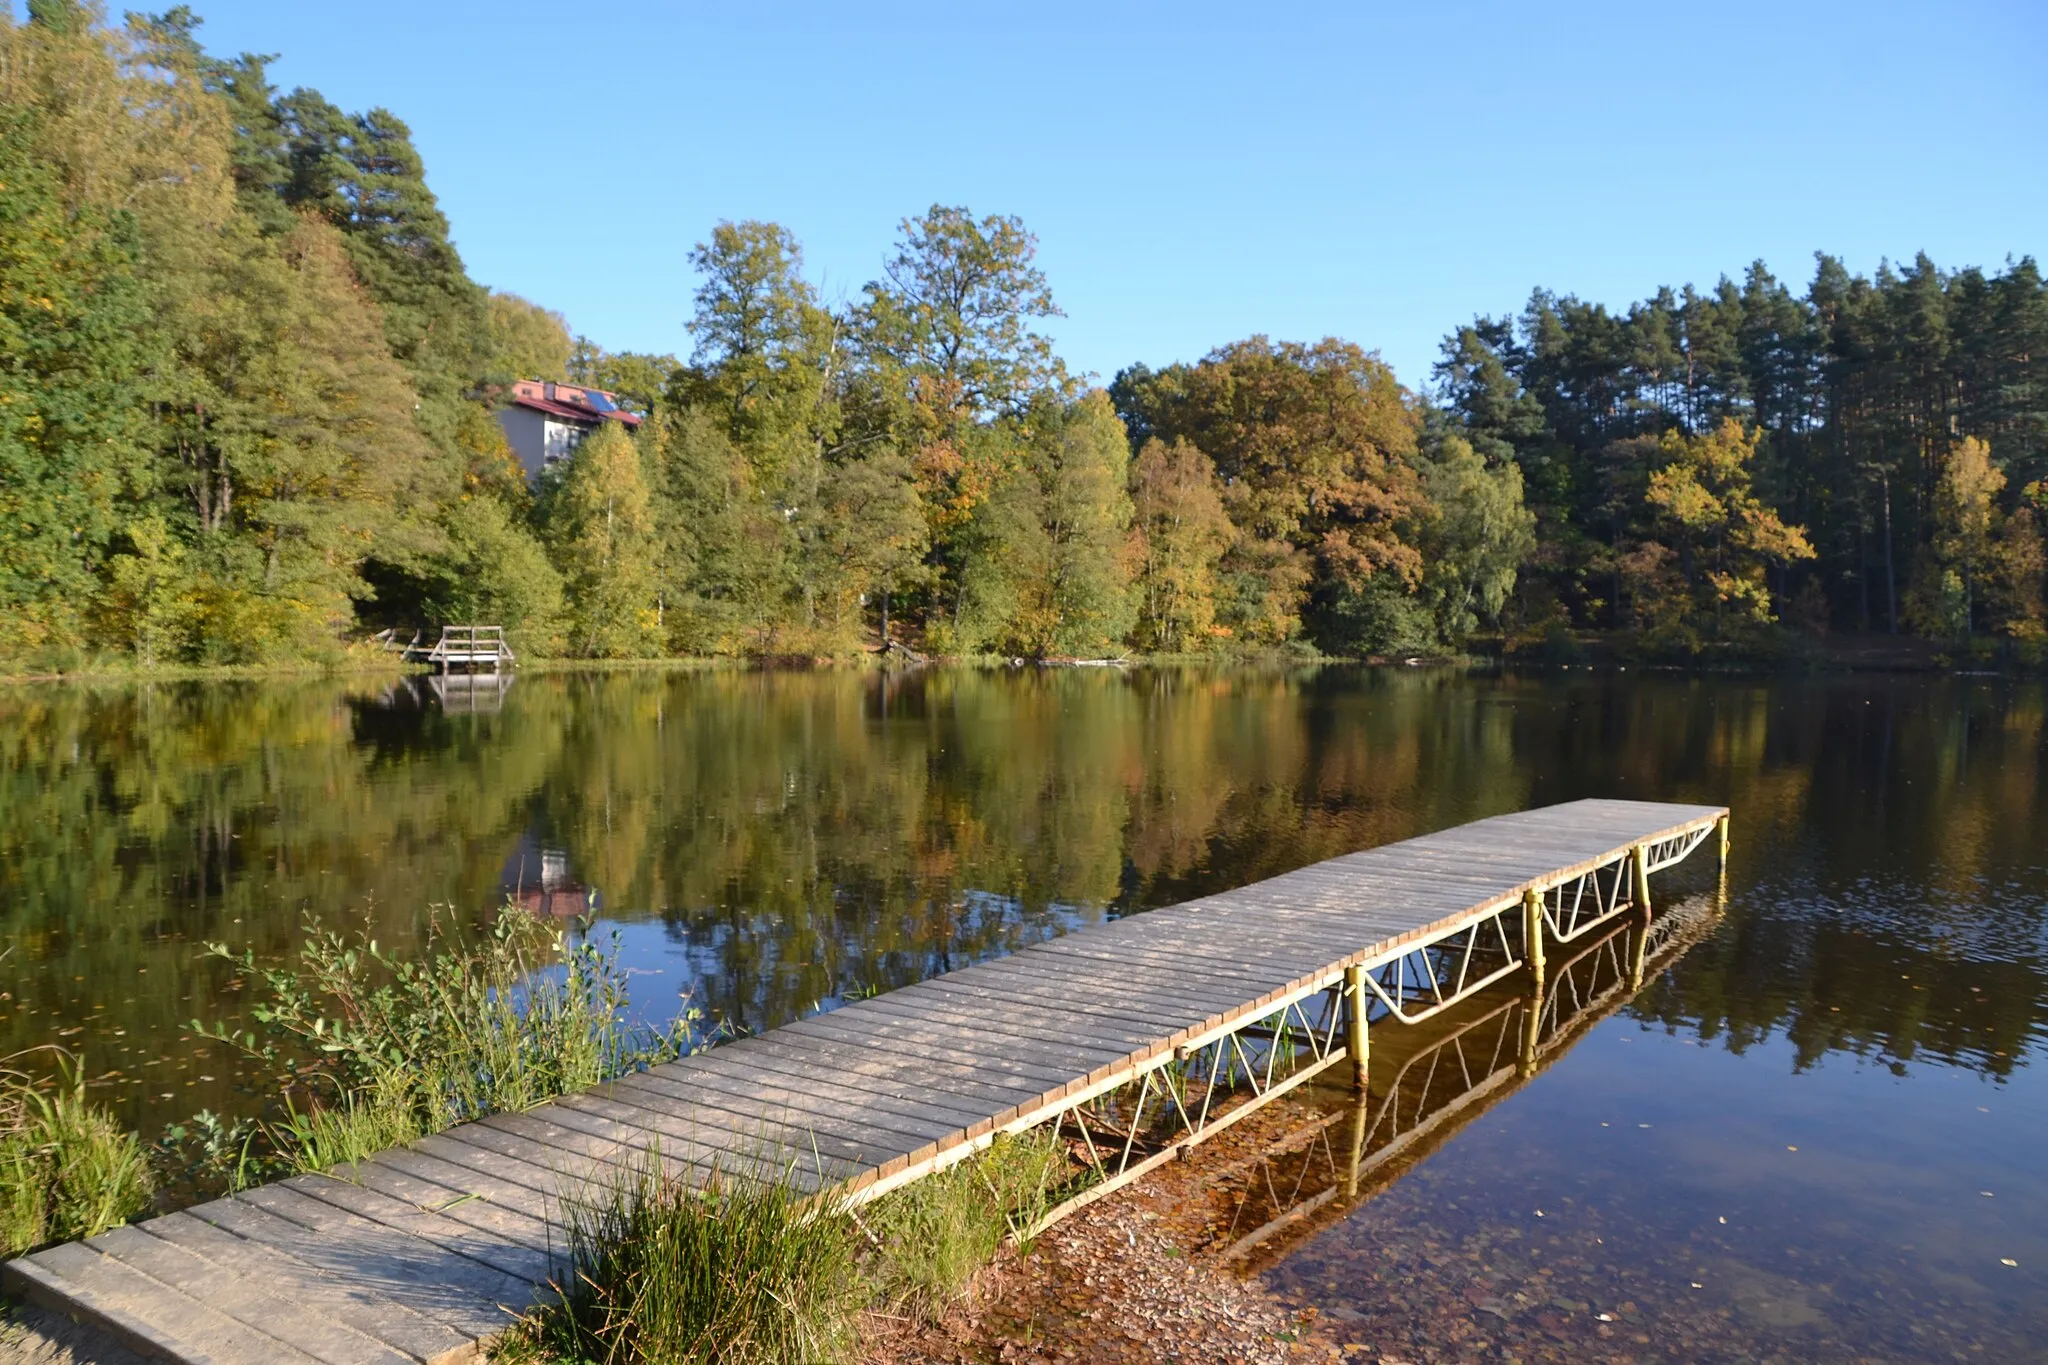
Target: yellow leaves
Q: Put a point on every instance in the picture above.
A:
(1746, 592)
(1762, 532)
(1965, 501)
(1678, 494)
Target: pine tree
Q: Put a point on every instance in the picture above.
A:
(363, 174)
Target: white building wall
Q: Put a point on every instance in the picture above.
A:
(538, 439)
(526, 433)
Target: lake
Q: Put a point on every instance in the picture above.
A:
(1817, 1132)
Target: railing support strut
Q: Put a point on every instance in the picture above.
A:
(1532, 932)
(1355, 1040)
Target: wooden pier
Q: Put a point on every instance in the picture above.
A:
(470, 649)
(1135, 1039)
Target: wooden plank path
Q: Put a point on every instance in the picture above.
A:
(422, 1253)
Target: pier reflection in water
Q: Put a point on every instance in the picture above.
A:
(1426, 1083)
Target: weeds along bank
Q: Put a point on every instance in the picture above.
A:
(748, 1269)
(366, 1051)
(371, 1052)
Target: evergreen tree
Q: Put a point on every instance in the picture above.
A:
(719, 550)
(362, 173)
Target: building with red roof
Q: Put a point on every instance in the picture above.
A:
(545, 421)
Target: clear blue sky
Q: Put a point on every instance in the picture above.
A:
(1197, 173)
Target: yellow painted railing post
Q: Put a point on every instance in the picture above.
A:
(1355, 1040)
(1359, 1116)
(1532, 1025)
(1532, 932)
(1642, 864)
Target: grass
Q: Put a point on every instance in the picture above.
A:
(927, 1239)
(380, 1050)
(748, 1268)
(742, 1270)
(67, 1170)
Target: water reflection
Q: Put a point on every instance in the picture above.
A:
(775, 840)
(538, 880)
(1320, 1155)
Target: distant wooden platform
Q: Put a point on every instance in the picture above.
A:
(468, 648)
(1137, 1038)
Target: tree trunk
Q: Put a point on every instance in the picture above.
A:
(1891, 576)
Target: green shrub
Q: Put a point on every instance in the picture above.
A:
(67, 1169)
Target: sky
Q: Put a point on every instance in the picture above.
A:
(1199, 173)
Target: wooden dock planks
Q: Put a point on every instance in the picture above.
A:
(420, 1253)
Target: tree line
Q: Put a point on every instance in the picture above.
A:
(1869, 455)
(247, 396)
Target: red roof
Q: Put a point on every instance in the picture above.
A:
(572, 402)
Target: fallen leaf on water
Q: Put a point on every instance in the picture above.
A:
(2007, 1260)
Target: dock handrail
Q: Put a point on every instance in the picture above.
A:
(468, 645)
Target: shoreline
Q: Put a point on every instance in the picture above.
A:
(1903, 656)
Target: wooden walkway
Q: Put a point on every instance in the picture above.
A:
(422, 1252)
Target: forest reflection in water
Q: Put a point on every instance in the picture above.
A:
(769, 842)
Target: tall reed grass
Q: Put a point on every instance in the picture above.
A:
(746, 1268)
(927, 1239)
(66, 1168)
(740, 1268)
(379, 1050)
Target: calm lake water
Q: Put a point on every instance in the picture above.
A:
(1819, 1131)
